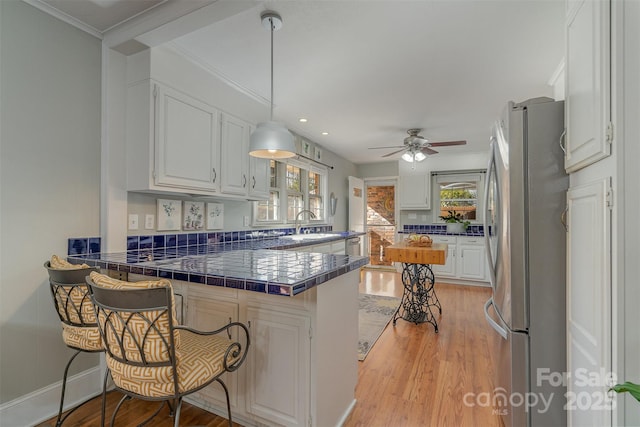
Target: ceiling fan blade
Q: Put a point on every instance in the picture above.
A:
(392, 146)
(427, 150)
(393, 152)
(447, 143)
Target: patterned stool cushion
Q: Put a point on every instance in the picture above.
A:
(82, 337)
(75, 306)
(199, 359)
(62, 264)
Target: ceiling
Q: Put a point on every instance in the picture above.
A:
(365, 71)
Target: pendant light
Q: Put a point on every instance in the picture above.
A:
(271, 140)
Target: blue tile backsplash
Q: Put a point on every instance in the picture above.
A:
(472, 230)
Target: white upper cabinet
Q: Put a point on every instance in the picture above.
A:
(589, 132)
(187, 152)
(172, 141)
(234, 135)
(414, 186)
(259, 178)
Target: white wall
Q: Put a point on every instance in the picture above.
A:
(49, 184)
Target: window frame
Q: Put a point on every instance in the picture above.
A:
(284, 192)
(477, 176)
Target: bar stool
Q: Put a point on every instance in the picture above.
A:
(77, 316)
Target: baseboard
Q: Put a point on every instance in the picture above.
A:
(346, 413)
(42, 404)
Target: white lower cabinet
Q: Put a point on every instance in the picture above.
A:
(207, 314)
(471, 261)
(449, 268)
(466, 259)
(278, 366)
(298, 371)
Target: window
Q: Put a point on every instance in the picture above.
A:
(294, 186)
(459, 193)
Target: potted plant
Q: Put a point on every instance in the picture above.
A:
(455, 222)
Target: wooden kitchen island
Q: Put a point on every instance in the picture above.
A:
(419, 295)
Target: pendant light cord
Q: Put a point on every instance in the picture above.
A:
(271, 26)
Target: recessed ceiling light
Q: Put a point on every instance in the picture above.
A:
(302, 120)
(325, 133)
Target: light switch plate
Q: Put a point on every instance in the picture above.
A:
(412, 216)
(149, 221)
(246, 220)
(133, 221)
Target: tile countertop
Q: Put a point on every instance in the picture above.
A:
(253, 265)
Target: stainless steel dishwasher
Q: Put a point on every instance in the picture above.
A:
(352, 246)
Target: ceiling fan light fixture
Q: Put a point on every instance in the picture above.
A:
(271, 140)
(408, 157)
(419, 156)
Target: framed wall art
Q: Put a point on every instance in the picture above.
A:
(169, 214)
(193, 216)
(215, 216)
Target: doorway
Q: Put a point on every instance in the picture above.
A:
(380, 220)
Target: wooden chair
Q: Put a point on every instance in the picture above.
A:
(149, 355)
(77, 316)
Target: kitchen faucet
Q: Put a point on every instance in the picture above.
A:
(296, 224)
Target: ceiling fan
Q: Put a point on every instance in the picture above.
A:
(416, 146)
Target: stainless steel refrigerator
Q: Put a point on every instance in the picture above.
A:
(525, 195)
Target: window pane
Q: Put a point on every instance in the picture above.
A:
(460, 198)
(314, 184)
(294, 178)
(268, 210)
(295, 204)
(315, 206)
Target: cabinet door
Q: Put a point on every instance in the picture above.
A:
(449, 268)
(588, 84)
(187, 144)
(259, 177)
(471, 261)
(207, 314)
(414, 189)
(588, 297)
(279, 367)
(234, 135)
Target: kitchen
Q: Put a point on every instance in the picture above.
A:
(81, 187)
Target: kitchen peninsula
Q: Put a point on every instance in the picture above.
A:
(302, 311)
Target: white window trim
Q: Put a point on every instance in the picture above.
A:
(282, 189)
(478, 176)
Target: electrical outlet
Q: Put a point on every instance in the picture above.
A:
(423, 217)
(133, 221)
(412, 216)
(245, 220)
(149, 221)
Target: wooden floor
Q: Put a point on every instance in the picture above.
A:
(412, 377)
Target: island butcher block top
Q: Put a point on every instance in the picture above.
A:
(402, 252)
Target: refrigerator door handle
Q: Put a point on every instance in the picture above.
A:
(499, 329)
(487, 243)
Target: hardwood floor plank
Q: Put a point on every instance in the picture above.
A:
(412, 377)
